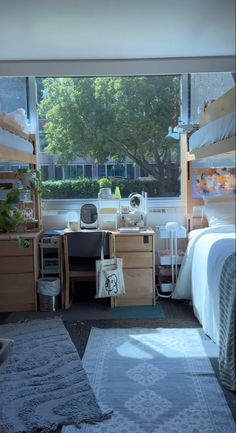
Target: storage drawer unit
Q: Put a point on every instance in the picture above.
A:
(18, 273)
(137, 252)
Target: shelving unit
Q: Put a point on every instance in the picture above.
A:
(51, 263)
(170, 258)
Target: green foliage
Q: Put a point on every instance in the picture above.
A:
(33, 182)
(10, 216)
(22, 242)
(63, 189)
(88, 188)
(104, 182)
(112, 116)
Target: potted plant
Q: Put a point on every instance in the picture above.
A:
(30, 178)
(10, 216)
(105, 188)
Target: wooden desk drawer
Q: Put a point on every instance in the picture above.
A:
(139, 288)
(16, 265)
(138, 283)
(136, 259)
(134, 243)
(17, 292)
(12, 248)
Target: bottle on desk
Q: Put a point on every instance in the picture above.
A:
(117, 194)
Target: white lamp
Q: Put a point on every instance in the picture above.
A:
(172, 136)
(173, 227)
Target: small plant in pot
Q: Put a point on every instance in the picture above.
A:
(30, 178)
(10, 216)
(105, 188)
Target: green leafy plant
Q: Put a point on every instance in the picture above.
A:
(10, 216)
(104, 182)
(30, 178)
(22, 242)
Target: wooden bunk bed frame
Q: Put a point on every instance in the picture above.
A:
(19, 266)
(8, 154)
(16, 155)
(219, 150)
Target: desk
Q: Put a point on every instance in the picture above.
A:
(137, 249)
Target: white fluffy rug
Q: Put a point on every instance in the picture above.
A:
(156, 381)
(42, 383)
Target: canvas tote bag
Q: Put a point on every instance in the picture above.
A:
(109, 275)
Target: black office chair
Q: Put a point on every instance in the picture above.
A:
(81, 250)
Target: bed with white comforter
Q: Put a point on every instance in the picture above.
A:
(199, 276)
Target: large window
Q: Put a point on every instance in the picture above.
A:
(117, 127)
(13, 94)
(44, 172)
(116, 170)
(73, 171)
(120, 124)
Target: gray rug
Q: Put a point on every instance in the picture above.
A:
(42, 383)
(156, 381)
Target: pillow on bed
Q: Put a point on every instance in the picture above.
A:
(220, 210)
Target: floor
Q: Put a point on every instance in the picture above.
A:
(87, 312)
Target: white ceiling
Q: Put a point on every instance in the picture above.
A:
(115, 29)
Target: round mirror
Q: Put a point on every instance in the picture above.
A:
(136, 202)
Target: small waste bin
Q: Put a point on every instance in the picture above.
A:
(49, 293)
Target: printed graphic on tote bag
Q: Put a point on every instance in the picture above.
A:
(111, 284)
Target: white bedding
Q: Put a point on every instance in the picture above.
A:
(217, 130)
(200, 273)
(8, 139)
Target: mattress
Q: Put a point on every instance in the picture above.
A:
(218, 130)
(13, 141)
(199, 276)
(210, 254)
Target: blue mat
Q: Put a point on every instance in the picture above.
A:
(139, 312)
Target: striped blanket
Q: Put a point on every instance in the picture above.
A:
(227, 333)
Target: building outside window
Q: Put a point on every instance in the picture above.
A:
(130, 171)
(73, 171)
(44, 172)
(88, 170)
(58, 172)
(102, 170)
(116, 170)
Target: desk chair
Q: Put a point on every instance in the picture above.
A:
(81, 250)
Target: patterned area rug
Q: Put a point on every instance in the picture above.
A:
(156, 381)
(43, 384)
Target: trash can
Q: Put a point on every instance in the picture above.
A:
(49, 293)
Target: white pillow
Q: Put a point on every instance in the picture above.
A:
(220, 210)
